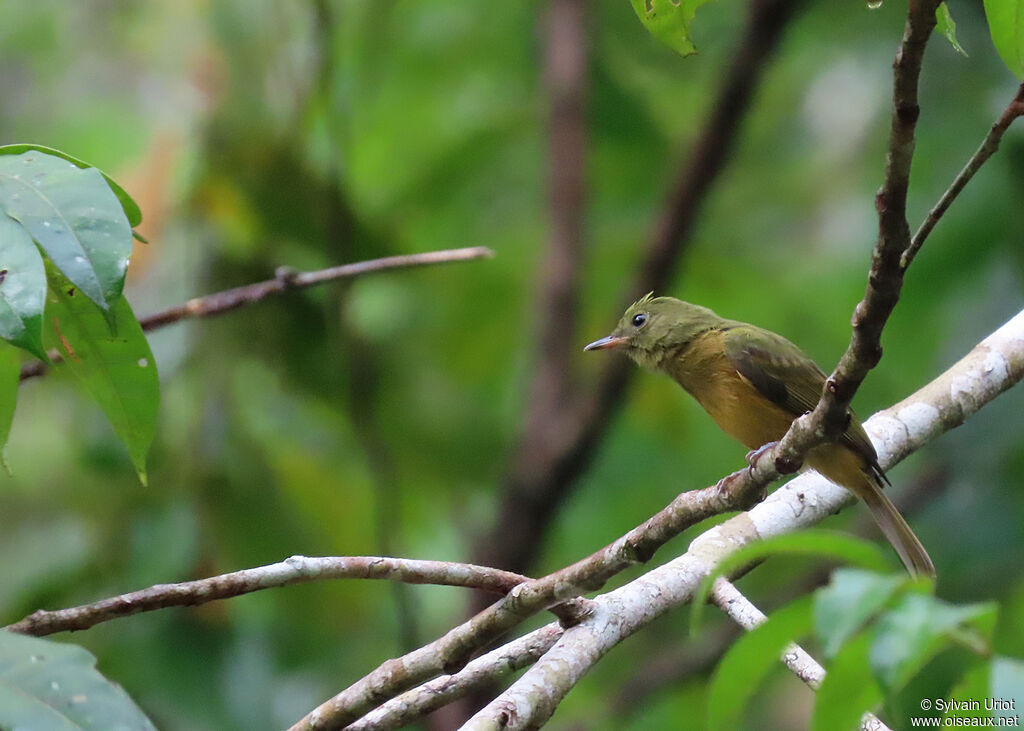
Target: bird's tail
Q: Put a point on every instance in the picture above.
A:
(900, 535)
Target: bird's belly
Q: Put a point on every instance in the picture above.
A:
(743, 413)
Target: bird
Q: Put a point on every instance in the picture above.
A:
(754, 383)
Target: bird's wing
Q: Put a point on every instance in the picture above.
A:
(785, 376)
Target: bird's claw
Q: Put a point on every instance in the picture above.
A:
(755, 454)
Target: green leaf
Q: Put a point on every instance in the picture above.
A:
(22, 288)
(114, 364)
(973, 686)
(945, 25)
(850, 599)
(55, 686)
(128, 205)
(10, 370)
(669, 21)
(74, 217)
(815, 542)
(750, 659)
(849, 689)
(1006, 25)
(918, 627)
(1007, 686)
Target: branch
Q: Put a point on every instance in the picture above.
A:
(553, 389)
(294, 570)
(450, 652)
(286, 280)
(675, 665)
(547, 463)
(990, 368)
(993, 366)
(983, 153)
(741, 610)
(477, 675)
(885, 280)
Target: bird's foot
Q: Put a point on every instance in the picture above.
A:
(755, 454)
(783, 465)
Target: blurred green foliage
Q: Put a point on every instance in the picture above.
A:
(256, 133)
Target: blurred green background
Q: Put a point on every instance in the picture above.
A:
(379, 416)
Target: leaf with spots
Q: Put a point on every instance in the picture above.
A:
(22, 288)
(945, 25)
(128, 204)
(55, 686)
(75, 218)
(669, 21)
(113, 363)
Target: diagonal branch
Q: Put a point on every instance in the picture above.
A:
(992, 367)
(450, 652)
(294, 570)
(546, 465)
(286, 281)
(885, 278)
(988, 147)
(552, 391)
(478, 675)
(741, 610)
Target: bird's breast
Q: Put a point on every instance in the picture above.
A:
(738, 408)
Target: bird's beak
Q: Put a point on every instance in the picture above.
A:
(612, 341)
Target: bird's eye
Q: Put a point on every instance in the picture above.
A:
(639, 320)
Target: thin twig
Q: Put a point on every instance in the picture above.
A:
(983, 153)
(294, 570)
(742, 611)
(286, 280)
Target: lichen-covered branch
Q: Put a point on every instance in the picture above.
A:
(450, 652)
(742, 611)
(294, 570)
(993, 366)
(479, 674)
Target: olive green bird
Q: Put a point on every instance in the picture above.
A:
(754, 383)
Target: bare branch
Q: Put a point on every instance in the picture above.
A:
(286, 280)
(885, 279)
(294, 570)
(741, 610)
(479, 674)
(450, 653)
(993, 366)
(984, 152)
(544, 470)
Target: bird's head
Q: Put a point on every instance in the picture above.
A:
(654, 327)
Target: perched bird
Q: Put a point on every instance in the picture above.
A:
(754, 383)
